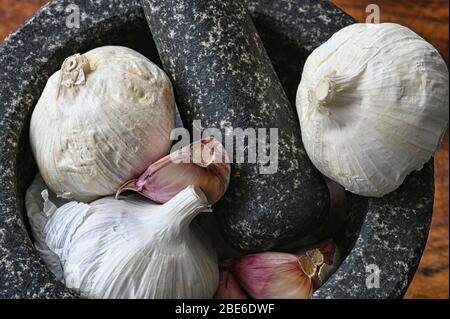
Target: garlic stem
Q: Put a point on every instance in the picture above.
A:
(185, 206)
(324, 91)
(74, 70)
(310, 261)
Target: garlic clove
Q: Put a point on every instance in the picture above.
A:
(274, 275)
(229, 287)
(203, 164)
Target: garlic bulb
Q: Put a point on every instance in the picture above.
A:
(167, 177)
(134, 248)
(274, 275)
(373, 106)
(100, 121)
(39, 203)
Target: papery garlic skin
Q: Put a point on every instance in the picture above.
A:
(173, 173)
(39, 205)
(101, 121)
(272, 275)
(134, 248)
(373, 106)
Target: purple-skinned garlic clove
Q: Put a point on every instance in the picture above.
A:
(278, 275)
(229, 287)
(203, 164)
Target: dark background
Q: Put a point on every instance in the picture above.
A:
(429, 18)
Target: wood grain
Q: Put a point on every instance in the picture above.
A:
(14, 12)
(429, 18)
(431, 280)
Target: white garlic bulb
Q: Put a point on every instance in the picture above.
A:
(40, 205)
(101, 121)
(135, 248)
(373, 106)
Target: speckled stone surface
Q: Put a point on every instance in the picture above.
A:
(224, 78)
(393, 229)
(392, 238)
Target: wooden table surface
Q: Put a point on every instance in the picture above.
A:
(429, 18)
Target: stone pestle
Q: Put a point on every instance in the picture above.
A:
(224, 79)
